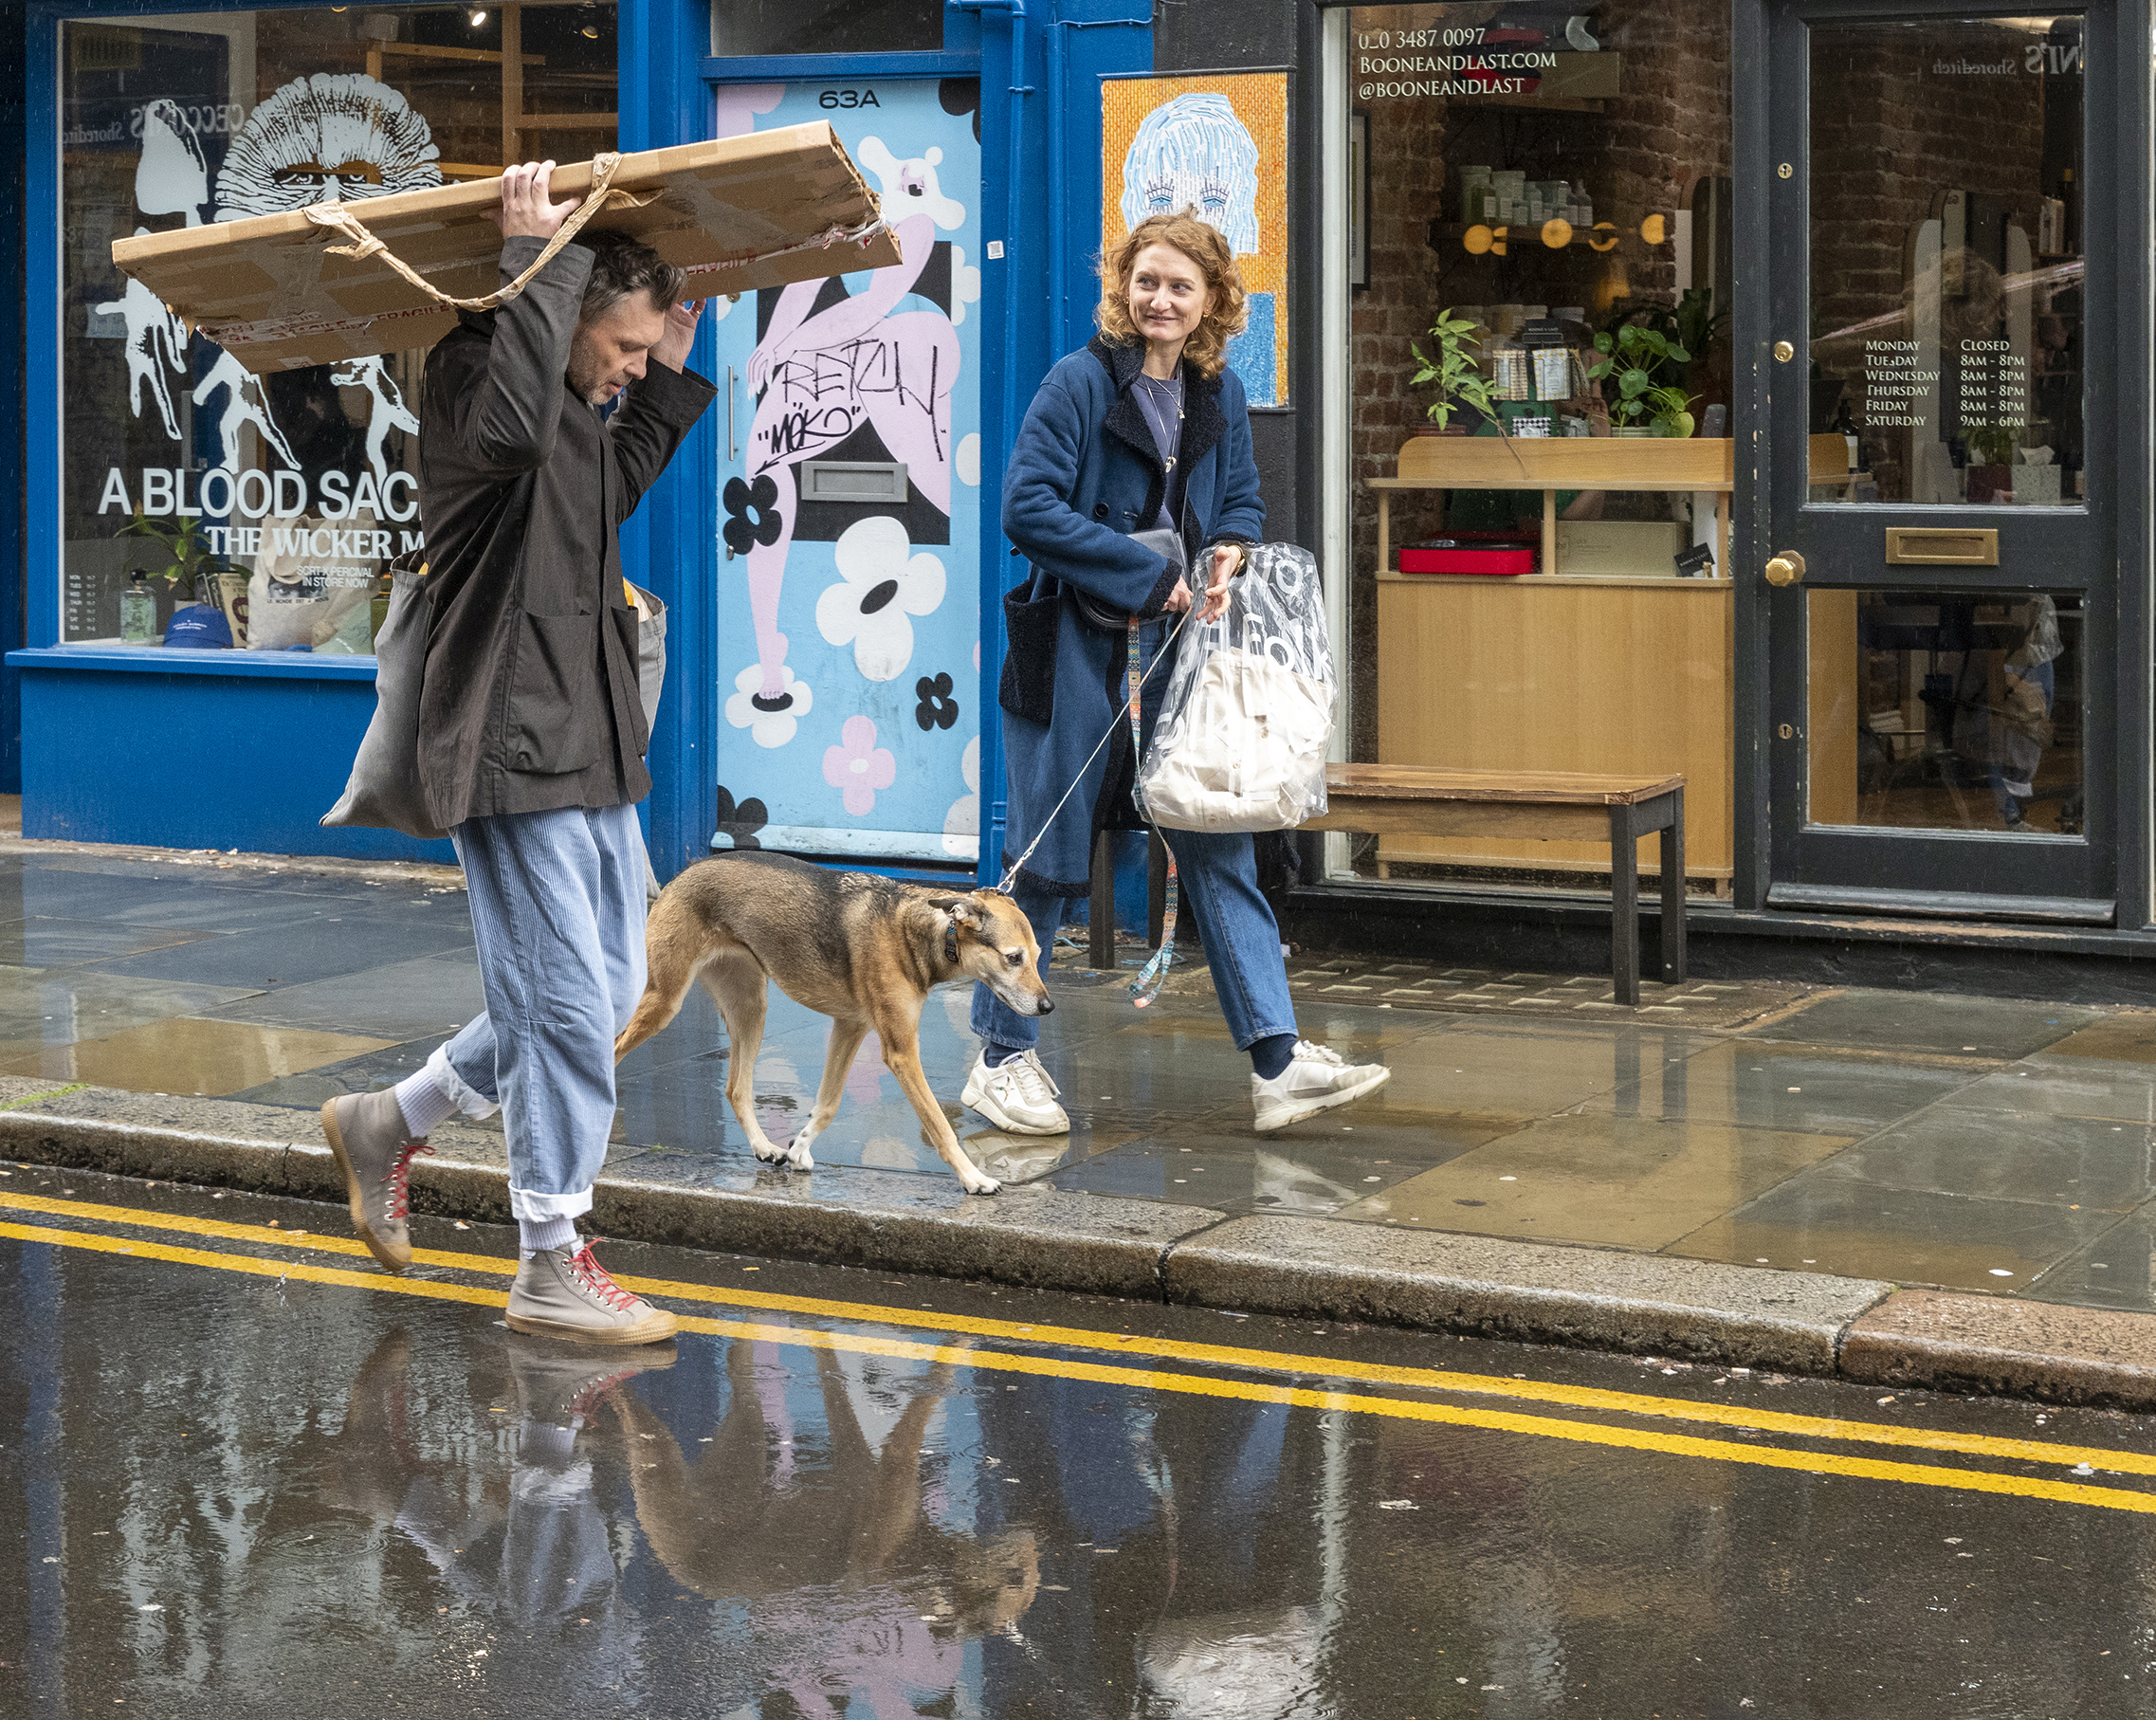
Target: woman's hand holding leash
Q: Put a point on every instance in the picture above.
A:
(1227, 564)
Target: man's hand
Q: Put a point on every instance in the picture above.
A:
(672, 349)
(526, 211)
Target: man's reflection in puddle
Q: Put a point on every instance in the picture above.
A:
(859, 1585)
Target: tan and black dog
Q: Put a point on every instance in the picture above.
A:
(861, 949)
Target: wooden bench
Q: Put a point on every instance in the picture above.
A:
(1409, 799)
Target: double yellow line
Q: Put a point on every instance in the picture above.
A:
(1064, 1338)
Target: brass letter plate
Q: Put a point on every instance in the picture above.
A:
(1933, 546)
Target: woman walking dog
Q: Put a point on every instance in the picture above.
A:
(1143, 431)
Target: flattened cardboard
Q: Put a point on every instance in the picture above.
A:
(738, 213)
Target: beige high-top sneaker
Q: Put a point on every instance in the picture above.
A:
(563, 1293)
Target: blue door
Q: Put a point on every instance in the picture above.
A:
(849, 490)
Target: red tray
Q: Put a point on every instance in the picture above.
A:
(1505, 560)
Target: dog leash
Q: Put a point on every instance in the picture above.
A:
(1156, 970)
(1147, 985)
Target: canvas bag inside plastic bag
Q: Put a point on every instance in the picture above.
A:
(1245, 718)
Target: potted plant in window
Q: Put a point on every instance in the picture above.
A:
(1452, 371)
(1647, 366)
(189, 563)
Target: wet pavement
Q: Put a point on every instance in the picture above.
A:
(243, 1472)
(1986, 1144)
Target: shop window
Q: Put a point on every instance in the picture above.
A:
(826, 26)
(1542, 212)
(266, 509)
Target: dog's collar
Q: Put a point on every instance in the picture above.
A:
(951, 943)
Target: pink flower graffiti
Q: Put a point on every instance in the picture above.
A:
(858, 767)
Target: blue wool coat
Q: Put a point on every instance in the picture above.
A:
(1085, 472)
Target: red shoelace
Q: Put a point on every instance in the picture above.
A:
(398, 1177)
(593, 1276)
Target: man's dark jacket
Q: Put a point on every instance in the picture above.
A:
(530, 698)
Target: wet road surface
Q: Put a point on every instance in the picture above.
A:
(243, 1472)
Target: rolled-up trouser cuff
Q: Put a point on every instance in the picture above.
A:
(528, 1207)
(469, 1099)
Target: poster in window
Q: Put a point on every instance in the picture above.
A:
(1217, 143)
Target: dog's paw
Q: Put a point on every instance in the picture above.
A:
(776, 1154)
(979, 1185)
(800, 1158)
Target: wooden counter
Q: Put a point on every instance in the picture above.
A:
(1622, 677)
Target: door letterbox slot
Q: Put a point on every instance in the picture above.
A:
(854, 481)
(1937, 546)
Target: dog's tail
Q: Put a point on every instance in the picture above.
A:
(672, 952)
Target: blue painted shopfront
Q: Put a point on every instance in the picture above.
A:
(833, 646)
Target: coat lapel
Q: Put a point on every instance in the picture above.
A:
(1126, 419)
(1204, 423)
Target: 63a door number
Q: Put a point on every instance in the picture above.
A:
(847, 97)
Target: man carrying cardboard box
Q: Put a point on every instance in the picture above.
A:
(532, 736)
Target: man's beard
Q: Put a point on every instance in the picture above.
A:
(584, 379)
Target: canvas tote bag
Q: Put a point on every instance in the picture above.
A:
(383, 791)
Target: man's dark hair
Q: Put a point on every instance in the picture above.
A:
(622, 266)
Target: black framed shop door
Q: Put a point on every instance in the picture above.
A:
(1941, 556)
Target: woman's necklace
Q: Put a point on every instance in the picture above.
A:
(1148, 398)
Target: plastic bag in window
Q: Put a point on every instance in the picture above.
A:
(310, 576)
(1245, 718)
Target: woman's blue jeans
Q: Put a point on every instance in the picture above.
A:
(1217, 876)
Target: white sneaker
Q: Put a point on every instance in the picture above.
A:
(1018, 1096)
(1315, 1081)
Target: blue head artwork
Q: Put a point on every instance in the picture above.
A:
(1194, 152)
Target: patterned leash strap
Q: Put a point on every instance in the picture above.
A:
(1147, 985)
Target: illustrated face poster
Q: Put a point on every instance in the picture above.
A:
(1216, 143)
(848, 623)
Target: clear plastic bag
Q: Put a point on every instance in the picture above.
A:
(1247, 715)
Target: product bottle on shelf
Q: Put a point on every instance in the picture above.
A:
(1844, 426)
(137, 613)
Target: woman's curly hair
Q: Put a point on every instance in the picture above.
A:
(1208, 346)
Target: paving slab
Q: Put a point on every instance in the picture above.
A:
(2005, 1347)
(1597, 1298)
(1929, 1022)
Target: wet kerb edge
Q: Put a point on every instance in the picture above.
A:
(2105, 1359)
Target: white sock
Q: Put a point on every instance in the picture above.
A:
(426, 1106)
(536, 1234)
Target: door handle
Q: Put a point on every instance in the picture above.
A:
(1786, 569)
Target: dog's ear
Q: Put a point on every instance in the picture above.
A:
(962, 909)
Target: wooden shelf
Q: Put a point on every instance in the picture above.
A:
(1392, 575)
(1648, 463)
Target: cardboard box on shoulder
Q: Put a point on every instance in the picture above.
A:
(739, 213)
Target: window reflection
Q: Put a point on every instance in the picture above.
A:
(1946, 269)
(1942, 710)
(203, 504)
